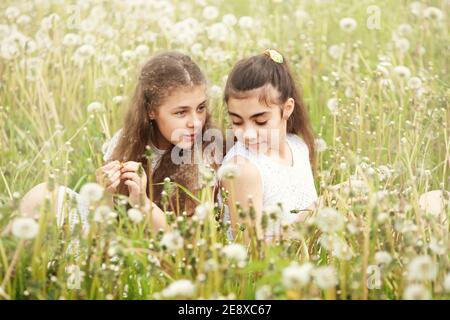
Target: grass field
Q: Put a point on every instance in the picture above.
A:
(375, 77)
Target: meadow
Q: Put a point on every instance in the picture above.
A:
(375, 78)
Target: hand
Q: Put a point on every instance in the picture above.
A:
(136, 180)
(108, 176)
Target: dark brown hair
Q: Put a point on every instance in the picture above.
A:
(261, 71)
(160, 76)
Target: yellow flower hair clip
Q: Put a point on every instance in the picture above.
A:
(274, 55)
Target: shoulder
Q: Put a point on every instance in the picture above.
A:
(298, 142)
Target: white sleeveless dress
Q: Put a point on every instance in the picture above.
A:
(292, 186)
(78, 208)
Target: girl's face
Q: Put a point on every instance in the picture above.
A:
(256, 125)
(181, 117)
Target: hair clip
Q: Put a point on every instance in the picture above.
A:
(274, 55)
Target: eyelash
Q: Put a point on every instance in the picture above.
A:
(182, 113)
(258, 123)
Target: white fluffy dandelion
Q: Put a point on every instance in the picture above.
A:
(321, 145)
(235, 251)
(95, 107)
(325, 277)
(383, 258)
(433, 13)
(135, 215)
(416, 292)
(348, 24)
(329, 220)
(332, 105)
(422, 268)
(402, 72)
(203, 210)
(91, 192)
(227, 171)
(172, 241)
(24, 228)
(414, 83)
(296, 276)
(179, 289)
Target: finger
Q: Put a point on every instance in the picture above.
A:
(130, 166)
(112, 187)
(133, 186)
(111, 164)
(114, 177)
(132, 176)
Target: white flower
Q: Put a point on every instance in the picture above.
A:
(95, 107)
(414, 83)
(416, 292)
(246, 22)
(71, 40)
(229, 20)
(25, 228)
(203, 210)
(103, 213)
(348, 24)
(8, 49)
(142, 50)
(118, 99)
(218, 32)
(349, 92)
(383, 258)
(135, 215)
(332, 105)
(335, 51)
(91, 192)
(402, 44)
(433, 13)
(210, 13)
(215, 92)
(179, 289)
(227, 171)
(172, 241)
(235, 251)
(422, 268)
(447, 282)
(263, 293)
(437, 246)
(432, 202)
(296, 276)
(325, 277)
(12, 12)
(405, 29)
(329, 220)
(416, 8)
(321, 145)
(402, 72)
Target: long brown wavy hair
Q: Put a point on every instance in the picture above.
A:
(159, 76)
(259, 71)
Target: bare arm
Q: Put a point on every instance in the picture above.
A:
(246, 184)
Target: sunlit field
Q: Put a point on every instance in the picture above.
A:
(375, 78)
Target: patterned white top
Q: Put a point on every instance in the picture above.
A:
(292, 186)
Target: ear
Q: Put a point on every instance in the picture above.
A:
(151, 115)
(288, 108)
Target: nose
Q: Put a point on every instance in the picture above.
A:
(194, 121)
(249, 136)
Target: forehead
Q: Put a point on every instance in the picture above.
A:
(185, 96)
(253, 101)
